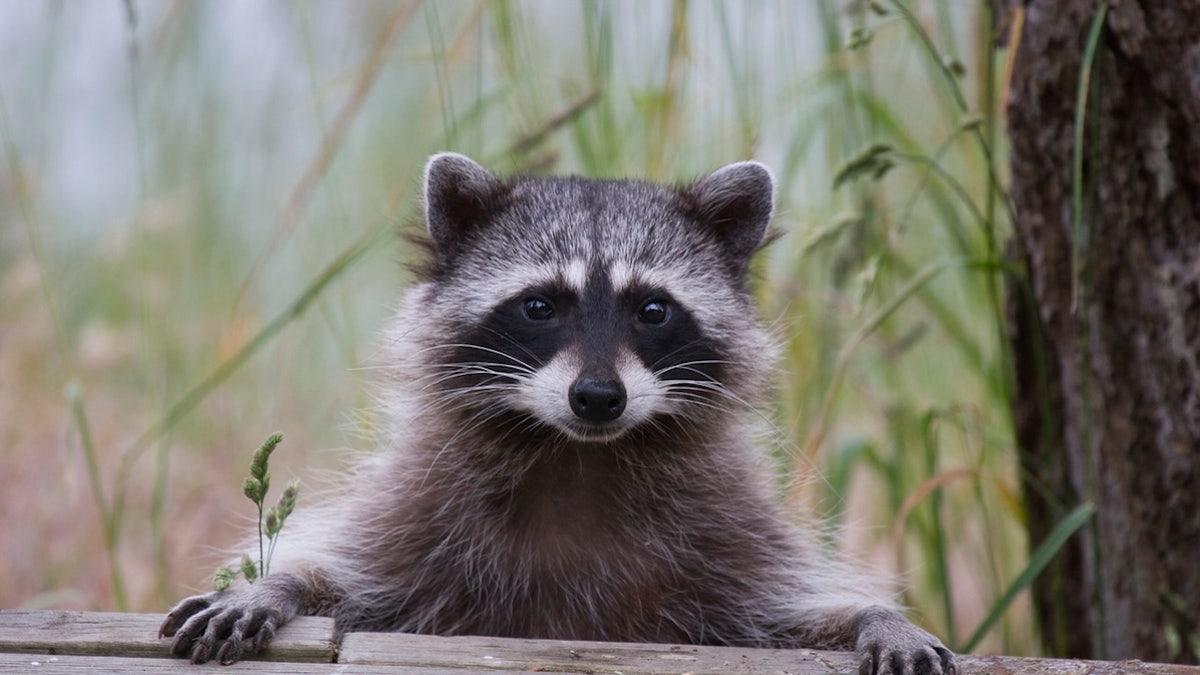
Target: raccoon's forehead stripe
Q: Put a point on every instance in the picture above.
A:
(621, 276)
(575, 274)
(678, 282)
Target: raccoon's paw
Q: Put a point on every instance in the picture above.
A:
(223, 625)
(889, 645)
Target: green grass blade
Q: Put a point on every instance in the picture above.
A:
(1081, 99)
(943, 66)
(107, 519)
(821, 425)
(937, 552)
(227, 368)
(1037, 562)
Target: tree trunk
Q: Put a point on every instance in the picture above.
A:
(1106, 324)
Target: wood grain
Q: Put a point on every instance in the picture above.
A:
(106, 642)
(306, 639)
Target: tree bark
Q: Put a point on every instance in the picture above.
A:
(1105, 325)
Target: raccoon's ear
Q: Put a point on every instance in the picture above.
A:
(735, 203)
(459, 193)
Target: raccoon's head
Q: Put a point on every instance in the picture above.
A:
(590, 307)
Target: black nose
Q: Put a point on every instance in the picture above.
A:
(597, 400)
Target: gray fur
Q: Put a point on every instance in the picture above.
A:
(490, 511)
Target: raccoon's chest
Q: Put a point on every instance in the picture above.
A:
(570, 559)
(562, 511)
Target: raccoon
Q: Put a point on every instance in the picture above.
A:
(571, 387)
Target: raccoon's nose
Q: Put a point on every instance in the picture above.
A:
(597, 400)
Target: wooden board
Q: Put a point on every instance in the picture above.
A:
(104, 642)
(553, 656)
(32, 664)
(480, 654)
(306, 639)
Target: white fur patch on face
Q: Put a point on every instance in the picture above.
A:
(502, 283)
(506, 281)
(620, 275)
(546, 393)
(697, 295)
(646, 395)
(575, 274)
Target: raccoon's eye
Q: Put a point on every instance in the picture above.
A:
(537, 309)
(654, 312)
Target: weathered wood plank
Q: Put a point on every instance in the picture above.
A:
(479, 653)
(1011, 665)
(34, 664)
(77, 642)
(504, 655)
(306, 639)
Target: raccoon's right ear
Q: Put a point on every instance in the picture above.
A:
(459, 193)
(735, 203)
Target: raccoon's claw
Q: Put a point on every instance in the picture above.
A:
(927, 660)
(182, 612)
(216, 625)
(890, 645)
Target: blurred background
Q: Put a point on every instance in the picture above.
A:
(197, 213)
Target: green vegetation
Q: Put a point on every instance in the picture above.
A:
(270, 522)
(247, 260)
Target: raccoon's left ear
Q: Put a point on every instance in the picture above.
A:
(735, 203)
(459, 195)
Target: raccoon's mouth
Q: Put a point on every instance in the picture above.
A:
(593, 433)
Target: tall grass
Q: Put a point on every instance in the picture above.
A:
(251, 262)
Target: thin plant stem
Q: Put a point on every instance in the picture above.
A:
(1081, 100)
(108, 518)
(331, 143)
